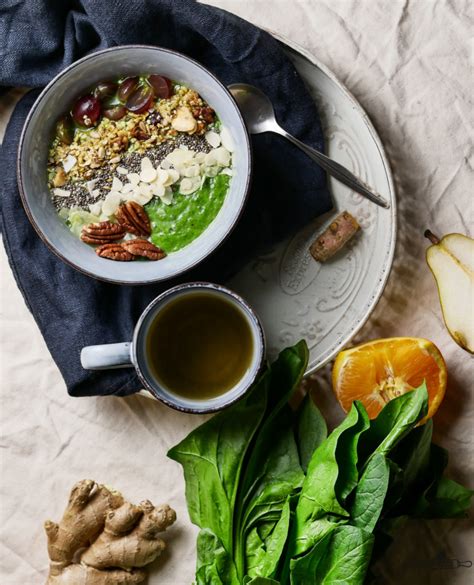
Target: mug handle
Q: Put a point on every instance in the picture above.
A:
(108, 356)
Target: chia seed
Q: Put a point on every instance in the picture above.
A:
(80, 196)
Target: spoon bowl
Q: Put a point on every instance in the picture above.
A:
(259, 116)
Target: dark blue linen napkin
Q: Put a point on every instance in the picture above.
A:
(40, 38)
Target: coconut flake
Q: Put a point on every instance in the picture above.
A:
(69, 162)
(61, 192)
(95, 193)
(121, 170)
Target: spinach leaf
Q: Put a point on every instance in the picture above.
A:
(413, 455)
(214, 564)
(212, 457)
(311, 430)
(319, 494)
(396, 419)
(263, 552)
(449, 500)
(260, 581)
(417, 502)
(370, 493)
(273, 471)
(343, 556)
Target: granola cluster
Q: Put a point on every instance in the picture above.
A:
(106, 143)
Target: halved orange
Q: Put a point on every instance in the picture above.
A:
(380, 370)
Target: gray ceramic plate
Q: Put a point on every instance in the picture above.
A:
(327, 304)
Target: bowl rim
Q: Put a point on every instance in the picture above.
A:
(21, 144)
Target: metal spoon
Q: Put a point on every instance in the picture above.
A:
(259, 117)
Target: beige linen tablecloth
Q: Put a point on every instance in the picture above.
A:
(409, 65)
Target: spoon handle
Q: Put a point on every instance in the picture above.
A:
(335, 169)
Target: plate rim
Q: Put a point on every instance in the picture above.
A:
(294, 47)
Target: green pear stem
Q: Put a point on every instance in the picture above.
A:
(431, 237)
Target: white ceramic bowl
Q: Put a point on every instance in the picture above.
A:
(56, 98)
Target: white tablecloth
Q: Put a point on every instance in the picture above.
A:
(409, 65)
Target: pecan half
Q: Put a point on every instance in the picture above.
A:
(144, 248)
(102, 233)
(133, 218)
(114, 252)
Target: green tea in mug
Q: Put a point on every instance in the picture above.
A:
(200, 345)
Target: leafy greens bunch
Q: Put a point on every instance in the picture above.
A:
(280, 502)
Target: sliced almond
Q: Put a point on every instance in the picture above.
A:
(167, 197)
(134, 178)
(90, 185)
(189, 185)
(222, 156)
(121, 170)
(211, 171)
(173, 176)
(226, 139)
(116, 184)
(144, 188)
(210, 159)
(111, 203)
(127, 188)
(192, 171)
(179, 156)
(184, 120)
(148, 172)
(157, 188)
(96, 208)
(69, 162)
(61, 192)
(213, 138)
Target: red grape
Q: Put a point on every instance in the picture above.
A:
(105, 89)
(65, 130)
(161, 85)
(115, 112)
(126, 88)
(140, 100)
(86, 111)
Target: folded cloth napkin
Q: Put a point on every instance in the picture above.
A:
(42, 37)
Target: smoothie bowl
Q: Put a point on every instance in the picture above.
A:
(134, 164)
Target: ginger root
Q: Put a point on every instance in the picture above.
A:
(104, 540)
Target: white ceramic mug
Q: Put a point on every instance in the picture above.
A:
(133, 353)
